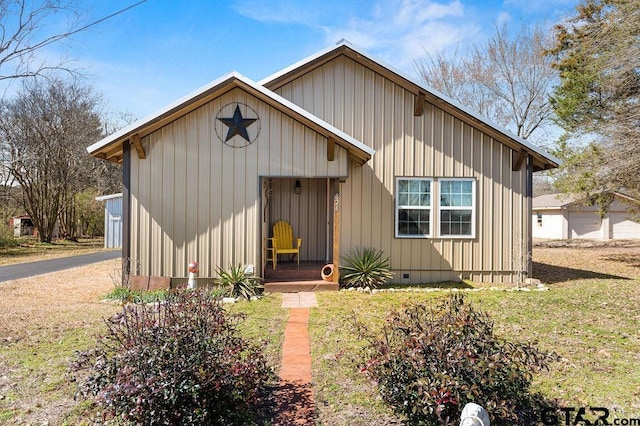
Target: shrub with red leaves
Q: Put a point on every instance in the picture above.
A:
(176, 362)
(431, 361)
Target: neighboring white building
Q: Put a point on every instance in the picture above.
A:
(112, 220)
(561, 216)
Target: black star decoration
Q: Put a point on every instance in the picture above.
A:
(238, 125)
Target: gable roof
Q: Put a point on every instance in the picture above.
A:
(111, 147)
(560, 200)
(541, 159)
(109, 197)
(553, 201)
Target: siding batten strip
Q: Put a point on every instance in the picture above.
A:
(331, 149)
(418, 108)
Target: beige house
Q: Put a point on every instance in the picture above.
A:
(563, 216)
(348, 150)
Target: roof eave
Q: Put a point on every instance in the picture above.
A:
(542, 159)
(111, 147)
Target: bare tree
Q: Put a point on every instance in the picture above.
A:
(507, 79)
(24, 33)
(43, 133)
(25, 29)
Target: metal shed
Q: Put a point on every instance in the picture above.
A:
(22, 226)
(112, 220)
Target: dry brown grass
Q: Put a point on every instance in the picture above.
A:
(557, 262)
(44, 319)
(30, 250)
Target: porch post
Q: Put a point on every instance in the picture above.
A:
(336, 238)
(126, 206)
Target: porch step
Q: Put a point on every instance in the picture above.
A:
(299, 286)
(290, 272)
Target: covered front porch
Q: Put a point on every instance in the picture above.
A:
(289, 278)
(307, 204)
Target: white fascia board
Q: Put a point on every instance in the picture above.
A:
(303, 62)
(306, 114)
(108, 197)
(221, 82)
(130, 129)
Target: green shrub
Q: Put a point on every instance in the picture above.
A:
(6, 237)
(365, 268)
(125, 294)
(431, 361)
(176, 362)
(239, 283)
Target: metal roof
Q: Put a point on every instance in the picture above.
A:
(217, 87)
(344, 47)
(109, 197)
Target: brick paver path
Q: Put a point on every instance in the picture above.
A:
(295, 396)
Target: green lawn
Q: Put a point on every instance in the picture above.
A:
(264, 323)
(589, 317)
(593, 326)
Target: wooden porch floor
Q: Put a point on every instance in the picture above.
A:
(289, 278)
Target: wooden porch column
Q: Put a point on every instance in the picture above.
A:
(336, 238)
(126, 206)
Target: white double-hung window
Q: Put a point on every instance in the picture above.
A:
(456, 208)
(435, 207)
(413, 207)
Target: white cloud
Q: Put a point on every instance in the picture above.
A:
(401, 32)
(503, 18)
(398, 31)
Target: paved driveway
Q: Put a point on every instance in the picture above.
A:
(23, 270)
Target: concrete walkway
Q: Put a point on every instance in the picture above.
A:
(299, 300)
(296, 405)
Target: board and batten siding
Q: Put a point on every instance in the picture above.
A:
(380, 113)
(194, 198)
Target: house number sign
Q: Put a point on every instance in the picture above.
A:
(336, 202)
(237, 125)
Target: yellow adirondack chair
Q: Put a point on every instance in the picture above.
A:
(283, 241)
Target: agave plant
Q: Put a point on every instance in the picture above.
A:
(239, 283)
(365, 267)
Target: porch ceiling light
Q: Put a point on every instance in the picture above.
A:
(298, 188)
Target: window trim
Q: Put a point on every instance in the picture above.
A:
(429, 208)
(460, 208)
(435, 208)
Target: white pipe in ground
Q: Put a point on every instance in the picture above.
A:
(474, 415)
(193, 273)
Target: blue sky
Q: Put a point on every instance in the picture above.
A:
(161, 50)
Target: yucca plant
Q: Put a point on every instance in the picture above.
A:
(239, 283)
(366, 267)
